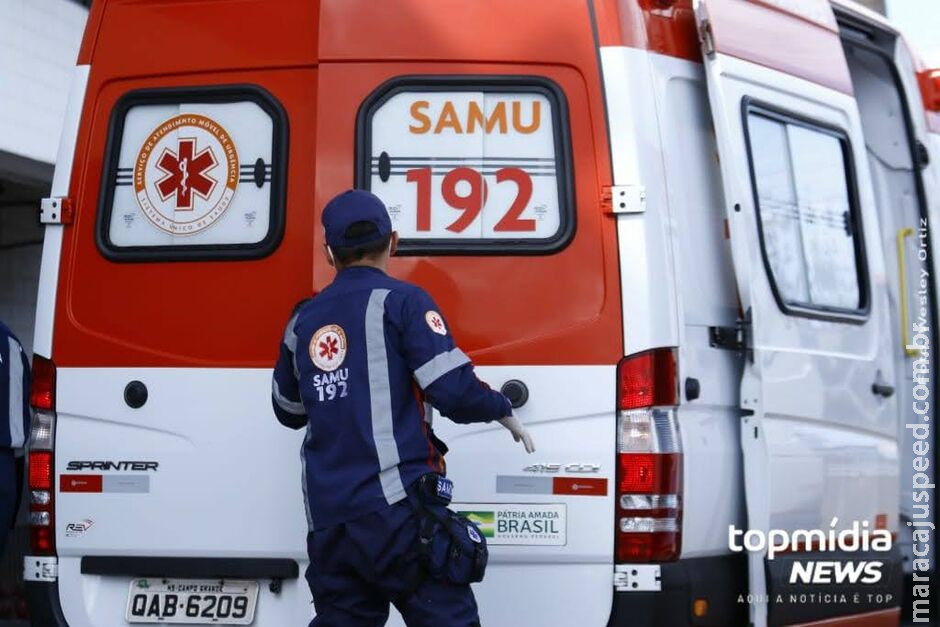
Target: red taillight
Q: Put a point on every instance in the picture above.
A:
(40, 470)
(41, 460)
(657, 546)
(647, 379)
(649, 459)
(42, 388)
(930, 89)
(648, 473)
(42, 540)
(41, 503)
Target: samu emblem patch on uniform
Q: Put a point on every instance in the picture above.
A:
(436, 322)
(328, 347)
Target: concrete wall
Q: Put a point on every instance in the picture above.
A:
(20, 254)
(39, 41)
(876, 5)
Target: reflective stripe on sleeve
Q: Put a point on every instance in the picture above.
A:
(291, 407)
(290, 341)
(17, 437)
(439, 365)
(381, 398)
(303, 477)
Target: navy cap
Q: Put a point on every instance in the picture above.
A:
(354, 205)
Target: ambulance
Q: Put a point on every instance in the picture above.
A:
(691, 241)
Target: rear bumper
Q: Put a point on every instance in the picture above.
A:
(712, 578)
(45, 610)
(720, 580)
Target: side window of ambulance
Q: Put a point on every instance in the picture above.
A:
(469, 166)
(193, 174)
(807, 213)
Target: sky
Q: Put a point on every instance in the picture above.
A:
(920, 22)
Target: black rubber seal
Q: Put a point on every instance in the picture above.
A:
(190, 567)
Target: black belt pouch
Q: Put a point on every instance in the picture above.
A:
(452, 547)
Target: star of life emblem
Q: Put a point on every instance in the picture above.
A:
(436, 322)
(186, 174)
(328, 347)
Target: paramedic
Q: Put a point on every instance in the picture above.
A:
(14, 425)
(357, 365)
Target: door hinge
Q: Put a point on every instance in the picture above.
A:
(56, 210)
(726, 338)
(624, 199)
(736, 338)
(707, 37)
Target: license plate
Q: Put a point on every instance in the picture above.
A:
(192, 601)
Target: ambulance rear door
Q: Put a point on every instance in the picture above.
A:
(818, 408)
(487, 142)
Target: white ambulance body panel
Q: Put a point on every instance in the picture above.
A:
(197, 436)
(199, 439)
(52, 240)
(647, 275)
(707, 298)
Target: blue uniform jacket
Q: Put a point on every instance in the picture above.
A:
(357, 363)
(14, 391)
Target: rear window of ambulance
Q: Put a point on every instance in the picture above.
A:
(195, 173)
(469, 166)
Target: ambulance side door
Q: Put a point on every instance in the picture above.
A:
(818, 409)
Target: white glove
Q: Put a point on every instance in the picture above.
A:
(518, 432)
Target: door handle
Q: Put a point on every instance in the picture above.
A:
(516, 391)
(903, 234)
(882, 389)
(135, 394)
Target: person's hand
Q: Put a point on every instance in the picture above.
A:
(519, 433)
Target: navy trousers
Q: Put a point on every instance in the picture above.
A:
(360, 567)
(9, 491)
